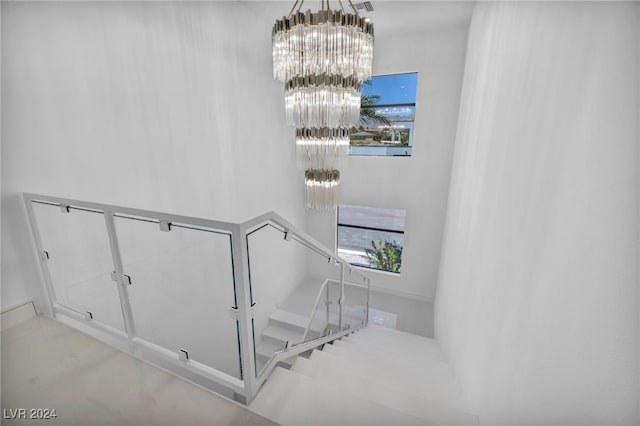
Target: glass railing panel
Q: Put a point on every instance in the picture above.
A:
(280, 290)
(333, 306)
(182, 290)
(325, 315)
(80, 262)
(283, 289)
(355, 305)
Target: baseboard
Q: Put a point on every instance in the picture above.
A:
(16, 314)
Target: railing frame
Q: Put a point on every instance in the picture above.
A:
(250, 383)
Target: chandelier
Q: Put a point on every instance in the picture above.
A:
(322, 58)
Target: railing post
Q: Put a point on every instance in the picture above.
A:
(245, 315)
(366, 319)
(341, 296)
(327, 303)
(49, 293)
(123, 292)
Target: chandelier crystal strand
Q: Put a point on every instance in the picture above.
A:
(322, 101)
(321, 188)
(324, 42)
(322, 148)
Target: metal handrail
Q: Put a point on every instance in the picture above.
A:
(302, 237)
(226, 227)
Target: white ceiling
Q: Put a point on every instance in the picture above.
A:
(388, 16)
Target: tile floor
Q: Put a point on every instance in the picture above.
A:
(48, 365)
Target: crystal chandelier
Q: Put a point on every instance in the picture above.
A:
(322, 58)
(322, 100)
(321, 148)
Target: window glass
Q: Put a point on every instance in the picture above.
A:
(393, 88)
(387, 116)
(371, 237)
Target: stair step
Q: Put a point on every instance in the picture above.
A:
(415, 405)
(267, 348)
(413, 384)
(384, 357)
(444, 381)
(424, 346)
(278, 334)
(374, 347)
(264, 352)
(294, 399)
(290, 320)
(402, 337)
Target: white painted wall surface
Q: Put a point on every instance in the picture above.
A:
(418, 183)
(638, 198)
(537, 303)
(160, 106)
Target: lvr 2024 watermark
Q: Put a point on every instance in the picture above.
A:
(29, 413)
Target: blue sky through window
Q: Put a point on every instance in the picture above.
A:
(393, 89)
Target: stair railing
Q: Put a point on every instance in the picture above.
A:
(324, 288)
(130, 337)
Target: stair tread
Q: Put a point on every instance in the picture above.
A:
(282, 334)
(291, 398)
(291, 319)
(446, 395)
(386, 356)
(414, 404)
(374, 332)
(413, 373)
(374, 346)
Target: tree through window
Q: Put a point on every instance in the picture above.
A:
(371, 237)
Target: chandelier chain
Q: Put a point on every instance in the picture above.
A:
(299, 3)
(354, 8)
(294, 8)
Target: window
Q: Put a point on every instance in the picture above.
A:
(386, 116)
(371, 237)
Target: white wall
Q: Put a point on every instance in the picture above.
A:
(162, 106)
(418, 183)
(537, 303)
(638, 198)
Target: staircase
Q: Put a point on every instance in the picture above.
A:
(315, 362)
(283, 326)
(376, 376)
